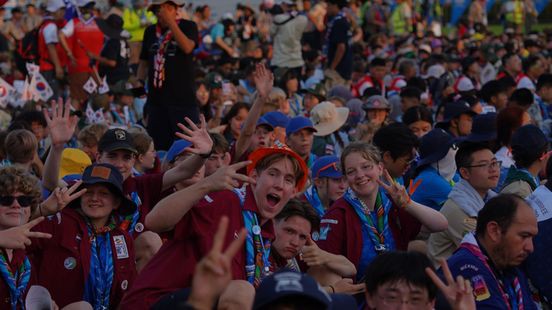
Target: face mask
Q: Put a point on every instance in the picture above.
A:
(446, 166)
(139, 104)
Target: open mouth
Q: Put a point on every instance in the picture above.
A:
(273, 199)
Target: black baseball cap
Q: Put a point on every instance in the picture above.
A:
(116, 139)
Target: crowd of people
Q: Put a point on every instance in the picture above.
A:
(300, 155)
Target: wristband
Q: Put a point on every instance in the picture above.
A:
(206, 155)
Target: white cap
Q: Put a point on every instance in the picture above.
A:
(54, 5)
(464, 84)
(81, 3)
(435, 71)
(426, 48)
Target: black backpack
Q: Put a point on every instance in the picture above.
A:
(27, 48)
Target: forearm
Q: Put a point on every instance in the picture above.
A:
(106, 61)
(182, 171)
(50, 179)
(183, 41)
(220, 42)
(54, 56)
(244, 141)
(64, 44)
(339, 53)
(142, 72)
(340, 265)
(169, 211)
(432, 219)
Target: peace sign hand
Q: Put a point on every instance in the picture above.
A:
(199, 136)
(458, 293)
(19, 237)
(398, 193)
(60, 198)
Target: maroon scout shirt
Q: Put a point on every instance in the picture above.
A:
(173, 266)
(63, 262)
(149, 188)
(16, 262)
(341, 230)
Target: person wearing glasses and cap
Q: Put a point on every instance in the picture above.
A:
(167, 62)
(479, 171)
(328, 184)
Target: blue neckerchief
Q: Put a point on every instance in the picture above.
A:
(295, 105)
(100, 278)
(371, 245)
(312, 197)
(17, 281)
(312, 159)
(132, 219)
(254, 245)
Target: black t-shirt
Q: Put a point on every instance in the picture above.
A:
(118, 50)
(178, 87)
(340, 32)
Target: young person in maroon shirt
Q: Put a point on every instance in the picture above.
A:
(372, 217)
(276, 174)
(89, 256)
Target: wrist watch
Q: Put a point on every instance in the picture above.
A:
(206, 155)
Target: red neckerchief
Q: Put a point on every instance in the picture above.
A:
(163, 40)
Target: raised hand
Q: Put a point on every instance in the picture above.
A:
(19, 237)
(60, 124)
(199, 136)
(346, 286)
(398, 193)
(214, 271)
(264, 79)
(458, 293)
(312, 255)
(60, 198)
(227, 177)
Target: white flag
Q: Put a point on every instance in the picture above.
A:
(90, 86)
(104, 88)
(90, 115)
(40, 89)
(6, 92)
(32, 68)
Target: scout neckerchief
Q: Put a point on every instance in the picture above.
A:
(128, 222)
(295, 105)
(314, 200)
(163, 40)
(376, 234)
(257, 251)
(325, 47)
(515, 174)
(511, 292)
(17, 280)
(100, 278)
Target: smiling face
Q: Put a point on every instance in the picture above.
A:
(484, 173)
(274, 187)
(14, 214)
(291, 236)
(98, 202)
(362, 174)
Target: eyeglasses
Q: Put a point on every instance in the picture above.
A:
(396, 301)
(492, 165)
(24, 201)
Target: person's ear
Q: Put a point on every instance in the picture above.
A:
(139, 158)
(464, 173)
(494, 231)
(370, 302)
(254, 174)
(387, 157)
(454, 123)
(319, 182)
(227, 158)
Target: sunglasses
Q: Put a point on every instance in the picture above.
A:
(24, 201)
(331, 165)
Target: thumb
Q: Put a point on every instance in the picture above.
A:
(309, 240)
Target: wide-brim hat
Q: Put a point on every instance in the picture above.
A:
(109, 176)
(434, 146)
(112, 26)
(327, 118)
(73, 161)
(281, 148)
(155, 3)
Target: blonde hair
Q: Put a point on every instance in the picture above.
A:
(91, 134)
(21, 146)
(14, 179)
(142, 140)
(368, 151)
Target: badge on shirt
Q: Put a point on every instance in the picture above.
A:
(323, 235)
(120, 247)
(480, 289)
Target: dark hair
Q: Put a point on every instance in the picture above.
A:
(396, 139)
(394, 267)
(508, 82)
(524, 157)
(378, 62)
(529, 62)
(545, 80)
(507, 57)
(406, 64)
(463, 157)
(32, 116)
(501, 209)
(507, 121)
(289, 75)
(491, 89)
(294, 302)
(411, 92)
(220, 145)
(417, 113)
(549, 174)
(522, 97)
(234, 110)
(418, 83)
(302, 209)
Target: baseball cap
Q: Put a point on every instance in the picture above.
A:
(528, 138)
(109, 175)
(214, 80)
(297, 123)
(434, 146)
(116, 139)
(455, 109)
(326, 167)
(463, 84)
(483, 128)
(287, 283)
(159, 2)
(54, 5)
(277, 119)
(73, 161)
(376, 103)
(176, 149)
(264, 122)
(279, 147)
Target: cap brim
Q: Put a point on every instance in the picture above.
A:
(331, 175)
(108, 30)
(120, 146)
(327, 128)
(261, 153)
(126, 207)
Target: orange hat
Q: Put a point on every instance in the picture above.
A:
(279, 147)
